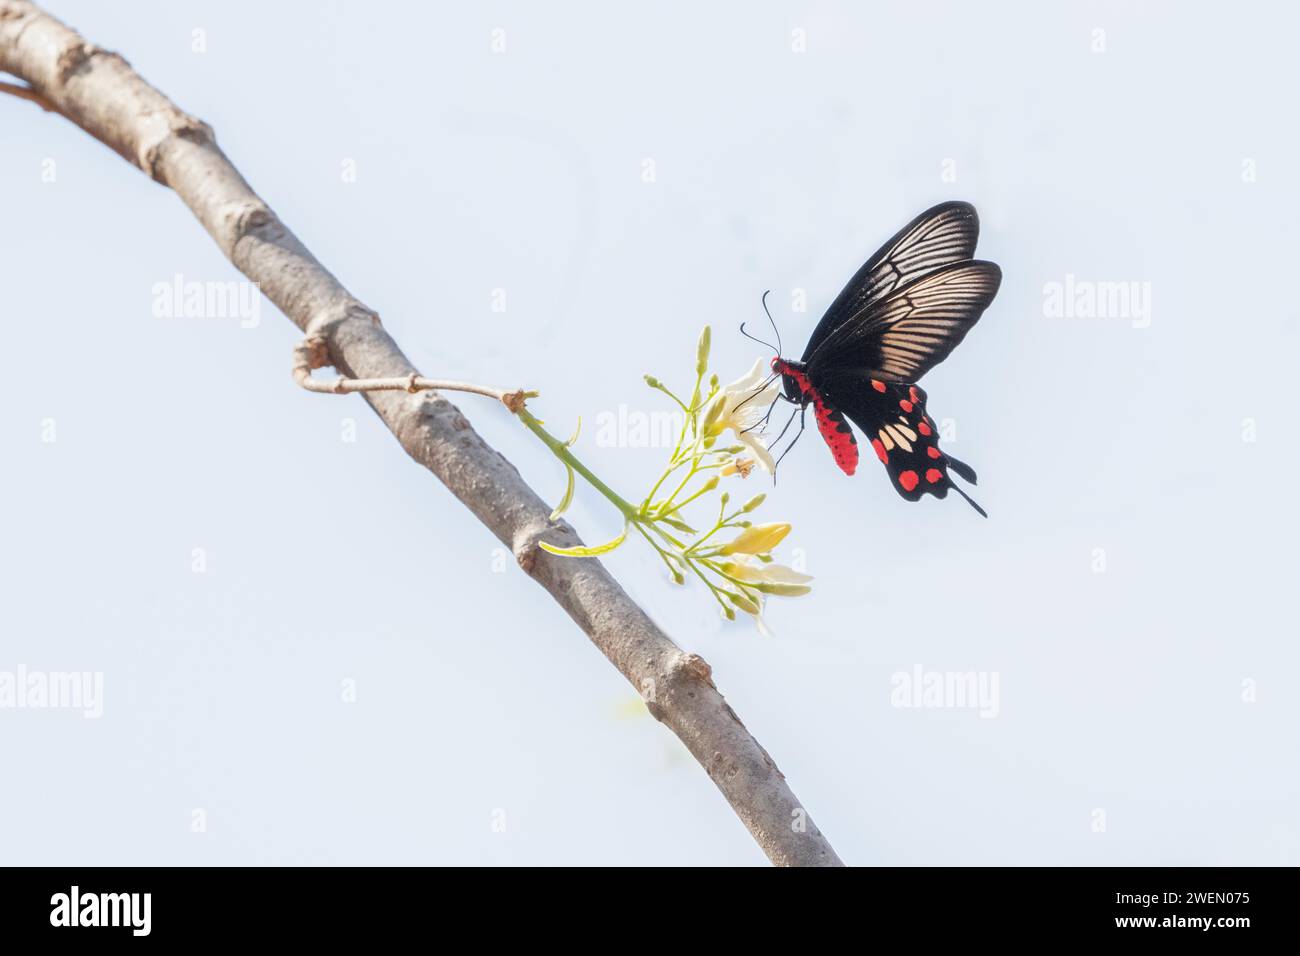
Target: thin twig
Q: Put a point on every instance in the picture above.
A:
(313, 353)
(29, 94)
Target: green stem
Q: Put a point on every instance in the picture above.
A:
(662, 478)
(678, 490)
(561, 451)
(653, 526)
(709, 584)
(666, 556)
(746, 587)
(690, 416)
(680, 505)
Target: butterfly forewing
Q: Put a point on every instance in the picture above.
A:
(904, 335)
(938, 237)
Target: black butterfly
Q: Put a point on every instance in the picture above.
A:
(898, 317)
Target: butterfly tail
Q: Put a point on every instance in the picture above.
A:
(965, 471)
(962, 469)
(969, 500)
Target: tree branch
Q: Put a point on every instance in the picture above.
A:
(99, 91)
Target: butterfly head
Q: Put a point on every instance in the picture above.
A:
(794, 380)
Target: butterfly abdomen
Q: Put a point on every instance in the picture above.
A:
(838, 434)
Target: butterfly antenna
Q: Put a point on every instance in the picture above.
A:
(758, 340)
(780, 349)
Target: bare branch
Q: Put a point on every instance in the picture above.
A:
(100, 92)
(313, 353)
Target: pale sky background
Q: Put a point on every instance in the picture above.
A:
(1168, 158)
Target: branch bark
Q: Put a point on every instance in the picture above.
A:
(101, 93)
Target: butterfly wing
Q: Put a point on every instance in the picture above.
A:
(893, 418)
(903, 336)
(940, 236)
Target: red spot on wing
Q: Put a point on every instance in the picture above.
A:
(908, 480)
(911, 392)
(880, 450)
(878, 386)
(905, 405)
(923, 428)
(934, 476)
(932, 452)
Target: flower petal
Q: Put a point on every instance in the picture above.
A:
(746, 570)
(759, 451)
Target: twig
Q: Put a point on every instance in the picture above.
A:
(313, 353)
(27, 93)
(100, 92)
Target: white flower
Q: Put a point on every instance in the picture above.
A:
(740, 406)
(769, 578)
(764, 579)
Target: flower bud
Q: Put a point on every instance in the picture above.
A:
(757, 539)
(782, 590)
(702, 352)
(753, 503)
(744, 603)
(710, 427)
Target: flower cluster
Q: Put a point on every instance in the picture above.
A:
(731, 554)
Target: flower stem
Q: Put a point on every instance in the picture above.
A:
(561, 451)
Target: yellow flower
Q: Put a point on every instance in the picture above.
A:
(759, 539)
(740, 406)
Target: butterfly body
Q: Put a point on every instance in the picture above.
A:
(799, 390)
(900, 315)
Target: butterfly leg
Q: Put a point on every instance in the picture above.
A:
(762, 422)
(802, 410)
(776, 441)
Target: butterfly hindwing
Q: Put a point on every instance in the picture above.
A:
(893, 418)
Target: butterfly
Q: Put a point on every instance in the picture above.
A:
(899, 316)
